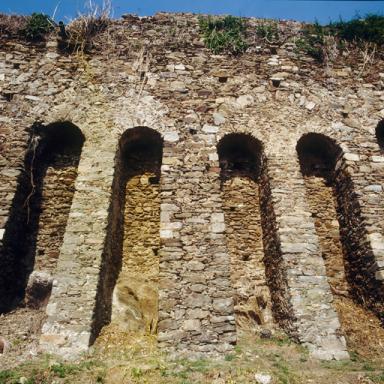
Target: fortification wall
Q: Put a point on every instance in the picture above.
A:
(156, 73)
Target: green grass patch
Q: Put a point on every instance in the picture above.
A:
(224, 34)
(42, 372)
(230, 357)
(284, 373)
(377, 378)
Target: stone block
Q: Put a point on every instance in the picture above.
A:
(218, 227)
(210, 129)
(166, 234)
(380, 275)
(223, 306)
(192, 325)
(195, 266)
(377, 159)
(217, 218)
(171, 137)
(196, 300)
(351, 157)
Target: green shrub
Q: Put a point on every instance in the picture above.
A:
(38, 26)
(315, 37)
(370, 28)
(6, 375)
(224, 34)
(313, 41)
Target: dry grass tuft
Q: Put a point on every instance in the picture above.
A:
(12, 25)
(83, 31)
(362, 328)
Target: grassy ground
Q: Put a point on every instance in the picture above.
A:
(127, 359)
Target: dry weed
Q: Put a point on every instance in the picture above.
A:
(82, 31)
(12, 25)
(362, 328)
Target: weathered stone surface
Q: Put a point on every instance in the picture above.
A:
(38, 289)
(205, 241)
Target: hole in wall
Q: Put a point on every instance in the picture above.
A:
(128, 286)
(341, 234)
(380, 134)
(242, 166)
(8, 96)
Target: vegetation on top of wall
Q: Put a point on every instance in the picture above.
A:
(269, 31)
(319, 41)
(224, 34)
(81, 32)
(11, 25)
(78, 35)
(313, 41)
(370, 28)
(38, 26)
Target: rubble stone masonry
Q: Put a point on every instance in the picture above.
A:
(156, 185)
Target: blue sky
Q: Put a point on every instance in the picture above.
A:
(323, 11)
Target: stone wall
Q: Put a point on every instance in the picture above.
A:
(380, 134)
(240, 160)
(39, 216)
(360, 261)
(135, 297)
(245, 245)
(317, 165)
(155, 72)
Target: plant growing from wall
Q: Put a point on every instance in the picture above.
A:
(318, 41)
(81, 34)
(12, 25)
(313, 41)
(268, 31)
(368, 29)
(38, 26)
(224, 34)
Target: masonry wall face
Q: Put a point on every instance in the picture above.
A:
(193, 99)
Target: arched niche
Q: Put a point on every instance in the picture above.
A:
(127, 297)
(35, 229)
(340, 228)
(243, 168)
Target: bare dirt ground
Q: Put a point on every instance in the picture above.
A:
(20, 331)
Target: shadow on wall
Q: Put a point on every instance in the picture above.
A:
(322, 158)
(380, 134)
(244, 173)
(45, 190)
(140, 151)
